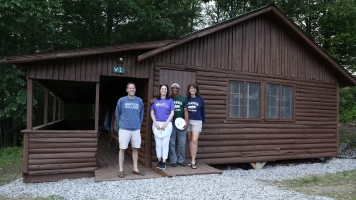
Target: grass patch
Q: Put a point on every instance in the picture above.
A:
(10, 156)
(340, 185)
(10, 165)
(348, 140)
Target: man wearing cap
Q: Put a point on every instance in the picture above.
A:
(177, 157)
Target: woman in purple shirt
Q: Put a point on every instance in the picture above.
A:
(162, 111)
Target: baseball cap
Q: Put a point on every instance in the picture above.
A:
(176, 85)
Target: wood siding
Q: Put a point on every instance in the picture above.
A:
(312, 134)
(259, 50)
(254, 46)
(54, 152)
(88, 68)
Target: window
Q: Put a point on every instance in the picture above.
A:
(244, 99)
(280, 101)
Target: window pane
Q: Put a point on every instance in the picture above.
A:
(252, 100)
(236, 101)
(287, 101)
(272, 103)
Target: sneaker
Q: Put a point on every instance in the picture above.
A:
(182, 164)
(163, 165)
(174, 164)
(159, 164)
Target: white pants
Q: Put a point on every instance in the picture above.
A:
(162, 144)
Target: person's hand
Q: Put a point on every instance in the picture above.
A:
(152, 101)
(157, 126)
(163, 126)
(185, 126)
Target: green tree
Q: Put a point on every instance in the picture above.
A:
(26, 27)
(347, 109)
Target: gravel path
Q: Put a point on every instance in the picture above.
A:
(347, 150)
(232, 184)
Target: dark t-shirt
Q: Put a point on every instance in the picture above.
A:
(180, 103)
(196, 108)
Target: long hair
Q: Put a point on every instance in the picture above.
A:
(159, 92)
(195, 86)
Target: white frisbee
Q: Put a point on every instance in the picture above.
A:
(180, 123)
(159, 133)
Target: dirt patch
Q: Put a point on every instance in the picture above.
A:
(10, 173)
(345, 191)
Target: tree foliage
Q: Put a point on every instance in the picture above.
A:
(28, 27)
(347, 107)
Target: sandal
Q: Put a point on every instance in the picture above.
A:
(193, 166)
(141, 173)
(121, 174)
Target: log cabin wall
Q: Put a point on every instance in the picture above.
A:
(58, 154)
(258, 50)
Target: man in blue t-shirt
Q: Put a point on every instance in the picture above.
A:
(129, 116)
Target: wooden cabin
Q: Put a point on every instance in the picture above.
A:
(270, 92)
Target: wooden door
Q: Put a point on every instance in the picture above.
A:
(183, 78)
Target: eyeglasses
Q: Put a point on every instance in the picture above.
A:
(163, 85)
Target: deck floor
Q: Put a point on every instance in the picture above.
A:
(108, 166)
(186, 171)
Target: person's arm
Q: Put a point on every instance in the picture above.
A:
(141, 112)
(152, 101)
(186, 113)
(168, 120)
(202, 110)
(154, 120)
(170, 117)
(117, 111)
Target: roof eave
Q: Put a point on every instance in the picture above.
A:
(87, 52)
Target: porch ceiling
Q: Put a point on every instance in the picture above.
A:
(71, 91)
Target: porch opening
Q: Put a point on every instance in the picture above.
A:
(111, 90)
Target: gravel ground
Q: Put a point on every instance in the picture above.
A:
(232, 184)
(347, 151)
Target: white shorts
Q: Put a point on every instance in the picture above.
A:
(195, 126)
(125, 136)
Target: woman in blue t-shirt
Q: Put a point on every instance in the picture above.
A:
(162, 111)
(196, 110)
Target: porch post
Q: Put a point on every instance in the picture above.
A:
(45, 112)
(59, 109)
(54, 108)
(148, 145)
(97, 106)
(29, 125)
(62, 110)
(29, 104)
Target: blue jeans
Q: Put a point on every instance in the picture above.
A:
(180, 136)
